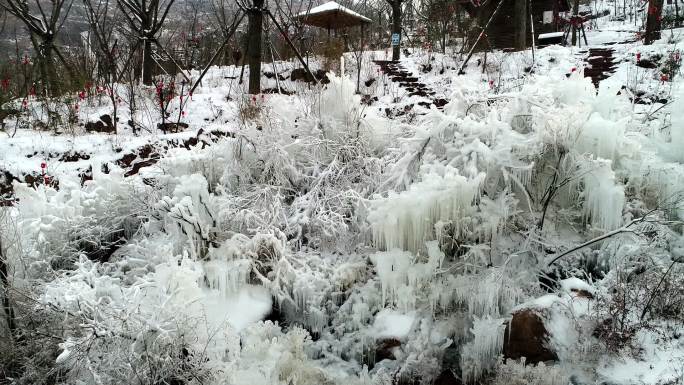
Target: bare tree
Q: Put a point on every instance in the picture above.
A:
(43, 20)
(102, 19)
(255, 16)
(224, 12)
(287, 11)
(439, 16)
(146, 18)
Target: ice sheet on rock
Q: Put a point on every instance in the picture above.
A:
(392, 324)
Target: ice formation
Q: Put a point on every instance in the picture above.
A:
(227, 277)
(401, 276)
(480, 355)
(604, 199)
(600, 136)
(406, 220)
(486, 294)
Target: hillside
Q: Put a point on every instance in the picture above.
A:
(520, 223)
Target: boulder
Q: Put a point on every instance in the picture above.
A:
(385, 348)
(104, 125)
(527, 336)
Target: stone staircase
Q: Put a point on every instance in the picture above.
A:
(600, 64)
(398, 74)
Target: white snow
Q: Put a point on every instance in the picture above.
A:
(332, 6)
(392, 324)
(356, 224)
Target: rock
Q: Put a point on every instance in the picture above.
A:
(582, 293)
(385, 349)
(172, 127)
(647, 63)
(7, 113)
(526, 336)
(104, 125)
(451, 360)
(447, 377)
(301, 74)
(86, 175)
(74, 156)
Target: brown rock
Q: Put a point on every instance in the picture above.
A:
(172, 127)
(526, 336)
(582, 293)
(384, 349)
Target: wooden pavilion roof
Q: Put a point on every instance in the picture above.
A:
(332, 15)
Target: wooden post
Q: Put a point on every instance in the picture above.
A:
(255, 17)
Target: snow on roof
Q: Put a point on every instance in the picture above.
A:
(333, 6)
(550, 35)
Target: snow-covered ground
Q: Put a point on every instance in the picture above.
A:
(342, 238)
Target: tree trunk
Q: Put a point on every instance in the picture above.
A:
(520, 21)
(653, 23)
(148, 63)
(442, 40)
(254, 46)
(396, 28)
(676, 3)
(575, 13)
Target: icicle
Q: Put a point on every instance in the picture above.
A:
(408, 219)
(401, 277)
(603, 198)
(227, 277)
(480, 354)
(600, 137)
(488, 294)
